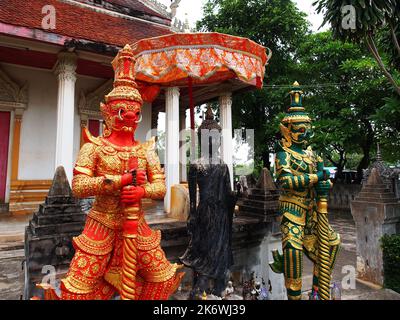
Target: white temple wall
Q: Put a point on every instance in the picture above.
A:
(36, 160)
(38, 130)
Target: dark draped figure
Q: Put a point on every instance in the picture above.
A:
(209, 252)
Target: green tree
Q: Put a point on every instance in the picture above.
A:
(372, 18)
(387, 120)
(278, 25)
(345, 96)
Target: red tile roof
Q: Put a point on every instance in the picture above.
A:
(79, 22)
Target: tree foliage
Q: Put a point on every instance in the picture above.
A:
(278, 25)
(371, 18)
(348, 98)
(346, 93)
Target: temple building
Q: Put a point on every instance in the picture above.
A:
(55, 68)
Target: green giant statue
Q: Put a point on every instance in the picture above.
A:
(303, 201)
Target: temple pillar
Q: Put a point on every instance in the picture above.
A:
(65, 72)
(172, 142)
(182, 145)
(225, 105)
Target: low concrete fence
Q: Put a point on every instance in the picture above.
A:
(342, 194)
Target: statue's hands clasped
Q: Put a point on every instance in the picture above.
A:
(127, 178)
(131, 195)
(322, 188)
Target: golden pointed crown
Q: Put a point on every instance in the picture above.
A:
(125, 87)
(296, 112)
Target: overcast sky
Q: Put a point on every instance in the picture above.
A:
(193, 9)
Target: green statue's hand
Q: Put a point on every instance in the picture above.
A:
(323, 175)
(322, 188)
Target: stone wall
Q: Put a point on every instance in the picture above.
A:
(252, 245)
(342, 194)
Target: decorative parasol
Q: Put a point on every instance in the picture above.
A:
(194, 59)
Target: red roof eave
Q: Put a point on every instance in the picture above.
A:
(74, 22)
(33, 34)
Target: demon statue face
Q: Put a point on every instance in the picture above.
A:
(122, 110)
(296, 126)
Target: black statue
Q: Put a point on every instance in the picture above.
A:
(209, 253)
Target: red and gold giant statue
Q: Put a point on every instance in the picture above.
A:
(117, 252)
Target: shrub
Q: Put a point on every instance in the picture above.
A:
(391, 261)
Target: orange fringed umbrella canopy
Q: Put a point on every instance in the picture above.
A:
(194, 59)
(203, 57)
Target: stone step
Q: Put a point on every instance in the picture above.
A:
(380, 200)
(24, 208)
(257, 210)
(379, 195)
(262, 191)
(59, 218)
(262, 197)
(251, 214)
(10, 246)
(378, 188)
(27, 196)
(53, 209)
(12, 241)
(71, 227)
(12, 254)
(272, 204)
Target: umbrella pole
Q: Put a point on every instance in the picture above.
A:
(192, 132)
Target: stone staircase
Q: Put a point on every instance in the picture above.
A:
(26, 196)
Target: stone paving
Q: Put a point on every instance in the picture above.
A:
(12, 229)
(12, 257)
(346, 263)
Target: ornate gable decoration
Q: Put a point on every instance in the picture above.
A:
(11, 93)
(89, 105)
(159, 7)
